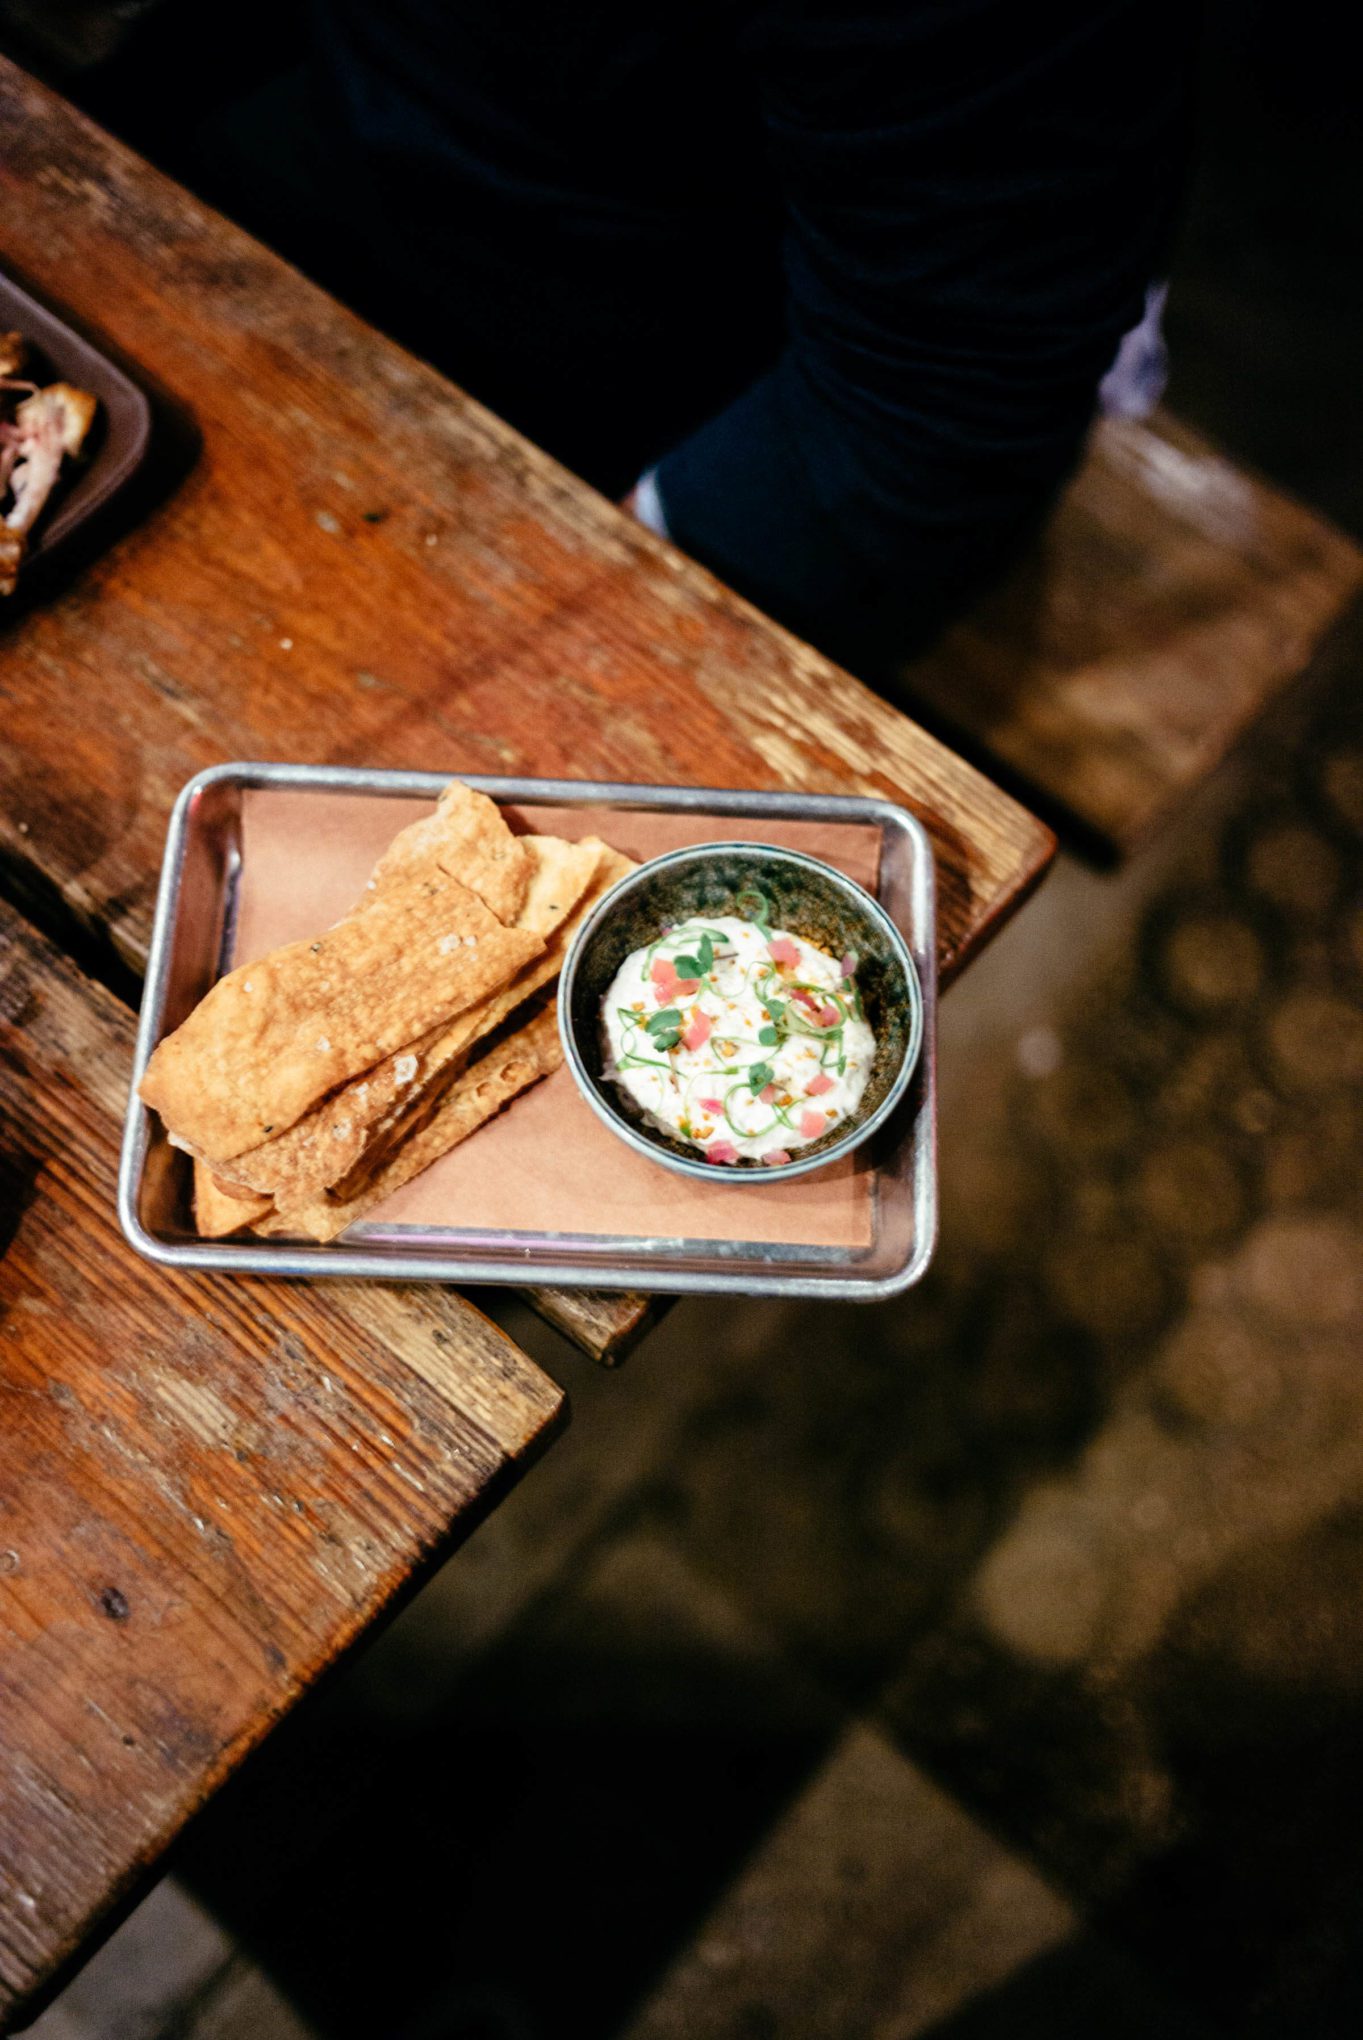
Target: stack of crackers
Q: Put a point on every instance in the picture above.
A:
(311, 1084)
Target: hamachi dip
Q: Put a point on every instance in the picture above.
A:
(744, 1040)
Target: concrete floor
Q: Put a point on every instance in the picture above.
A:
(985, 1664)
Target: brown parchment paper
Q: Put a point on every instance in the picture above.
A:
(546, 1164)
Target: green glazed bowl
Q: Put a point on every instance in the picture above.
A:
(806, 898)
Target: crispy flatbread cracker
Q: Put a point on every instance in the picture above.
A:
(327, 1142)
(351, 1132)
(467, 839)
(443, 1056)
(276, 1035)
(218, 1212)
(508, 1068)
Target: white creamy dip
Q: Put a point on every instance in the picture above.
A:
(743, 1040)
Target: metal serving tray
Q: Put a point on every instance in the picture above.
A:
(192, 942)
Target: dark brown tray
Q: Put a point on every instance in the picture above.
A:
(121, 435)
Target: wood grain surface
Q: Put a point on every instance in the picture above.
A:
(364, 566)
(1171, 597)
(608, 1324)
(208, 1488)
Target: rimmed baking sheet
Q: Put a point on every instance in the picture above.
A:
(263, 854)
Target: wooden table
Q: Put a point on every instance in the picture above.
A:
(363, 566)
(207, 1488)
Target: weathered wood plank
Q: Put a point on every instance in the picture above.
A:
(363, 565)
(208, 1488)
(592, 1318)
(1172, 595)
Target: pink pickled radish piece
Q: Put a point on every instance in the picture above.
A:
(715, 1105)
(664, 978)
(811, 1124)
(684, 986)
(721, 1151)
(697, 1033)
(768, 1094)
(818, 1010)
(816, 1086)
(776, 1157)
(783, 950)
(849, 964)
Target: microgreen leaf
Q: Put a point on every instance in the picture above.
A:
(668, 1040)
(668, 1021)
(754, 906)
(759, 1074)
(769, 1036)
(706, 955)
(688, 967)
